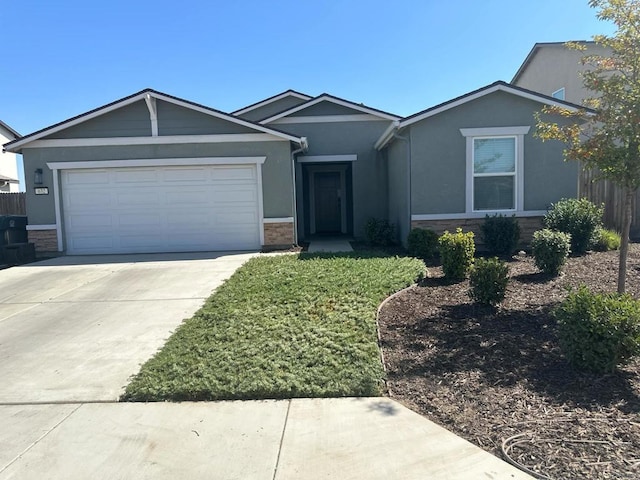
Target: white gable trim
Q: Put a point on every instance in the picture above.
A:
(364, 117)
(482, 93)
(161, 140)
(146, 96)
(271, 100)
(326, 98)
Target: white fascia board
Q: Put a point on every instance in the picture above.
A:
(271, 100)
(160, 140)
(226, 116)
(156, 162)
(482, 93)
(387, 135)
(327, 158)
(472, 215)
(326, 98)
(364, 117)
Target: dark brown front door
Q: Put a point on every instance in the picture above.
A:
(327, 202)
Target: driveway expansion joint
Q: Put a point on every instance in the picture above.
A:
(284, 429)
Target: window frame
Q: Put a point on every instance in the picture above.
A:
(518, 133)
(558, 91)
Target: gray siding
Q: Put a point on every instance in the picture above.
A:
(398, 177)
(556, 66)
(326, 108)
(128, 121)
(369, 170)
(272, 108)
(438, 152)
(276, 171)
(176, 120)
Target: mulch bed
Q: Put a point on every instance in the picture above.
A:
(498, 377)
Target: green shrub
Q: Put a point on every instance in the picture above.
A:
(456, 253)
(550, 250)
(501, 234)
(597, 332)
(380, 232)
(422, 243)
(606, 240)
(488, 281)
(578, 217)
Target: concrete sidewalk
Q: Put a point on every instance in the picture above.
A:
(349, 438)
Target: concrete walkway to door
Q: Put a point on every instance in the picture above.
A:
(76, 328)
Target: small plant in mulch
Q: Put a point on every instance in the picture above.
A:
(456, 252)
(422, 243)
(580, 218)
(501, 234)
(488, 281)
(550, 250)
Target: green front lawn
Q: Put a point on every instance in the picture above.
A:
(281, 326)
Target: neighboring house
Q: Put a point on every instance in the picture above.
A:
(554, 69)
(155, 173)
(8, 161)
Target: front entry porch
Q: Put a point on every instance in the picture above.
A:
(325, 200)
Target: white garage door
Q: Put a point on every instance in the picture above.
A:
(161, 209)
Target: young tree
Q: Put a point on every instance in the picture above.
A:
(607, 138)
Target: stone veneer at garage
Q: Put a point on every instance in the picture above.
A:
(45, 241)
(278, 234)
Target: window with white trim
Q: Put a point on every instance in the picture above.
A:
(559, 94)
(495, 169)
(494, 173)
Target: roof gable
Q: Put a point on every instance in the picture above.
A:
(498, 86)
(280, 96)
(149, 96)
(325, 97)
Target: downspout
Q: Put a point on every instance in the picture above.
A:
(304, 146)
(407, 139)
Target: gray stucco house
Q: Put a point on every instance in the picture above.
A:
(155, 173)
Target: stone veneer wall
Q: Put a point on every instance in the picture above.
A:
(528, 225)
(45, 241)
(278, 234)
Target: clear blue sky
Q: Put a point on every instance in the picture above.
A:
(62, 58)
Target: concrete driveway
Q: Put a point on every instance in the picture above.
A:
(74, 329)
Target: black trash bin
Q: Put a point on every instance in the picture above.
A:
(13, 229)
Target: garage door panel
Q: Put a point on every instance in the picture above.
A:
(138, 175)
(140, 198)
(87, 177)
(86, 198)
(161, 209)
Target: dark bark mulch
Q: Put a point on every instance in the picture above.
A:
(492, 376)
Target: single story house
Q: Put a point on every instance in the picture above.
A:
(155, 173)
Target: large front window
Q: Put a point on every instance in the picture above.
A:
(495, 169)
(494, 173)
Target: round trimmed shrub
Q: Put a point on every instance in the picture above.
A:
(606, 240)
(501, 234)
(379, 232)
(598, 332)
(488, 281)
(578, 217)
(456, 252)
(550, 250)
(422, 243)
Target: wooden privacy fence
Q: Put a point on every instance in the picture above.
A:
(604, 191)
(12, 204)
